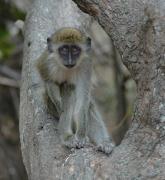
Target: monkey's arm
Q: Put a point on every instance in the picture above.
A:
(81, 107)
(73, 119)
(52, 89)
(66, 125)
(53, 92)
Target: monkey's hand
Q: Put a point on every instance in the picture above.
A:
(74, 142)
(106, 146)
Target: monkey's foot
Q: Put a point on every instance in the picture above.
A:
(74, 142)
(106, 146)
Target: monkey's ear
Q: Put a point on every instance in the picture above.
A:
(49, 45)
(88, 42)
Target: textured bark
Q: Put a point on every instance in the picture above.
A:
(138, 30)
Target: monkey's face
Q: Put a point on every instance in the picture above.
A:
(70, 54)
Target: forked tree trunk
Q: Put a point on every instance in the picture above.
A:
(137, 28)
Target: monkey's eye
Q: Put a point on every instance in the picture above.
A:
(75, 50)
(64, 50)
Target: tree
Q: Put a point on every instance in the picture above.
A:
(137, 29)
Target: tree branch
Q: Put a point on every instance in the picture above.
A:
(9, 82)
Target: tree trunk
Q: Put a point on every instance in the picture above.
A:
(138, 31)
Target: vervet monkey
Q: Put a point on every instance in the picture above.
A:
(65, 68)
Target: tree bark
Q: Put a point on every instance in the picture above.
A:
(138, 31)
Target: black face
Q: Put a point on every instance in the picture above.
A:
(69, 54)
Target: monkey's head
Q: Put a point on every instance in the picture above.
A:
(69, 46)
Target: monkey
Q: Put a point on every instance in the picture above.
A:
(66, 68)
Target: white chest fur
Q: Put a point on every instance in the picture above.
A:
(68, 75)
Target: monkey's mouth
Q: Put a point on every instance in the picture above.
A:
(69, 66)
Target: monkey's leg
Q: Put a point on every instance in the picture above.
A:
(53, 92)
(97, 131)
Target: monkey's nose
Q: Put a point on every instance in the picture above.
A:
(70, 66)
